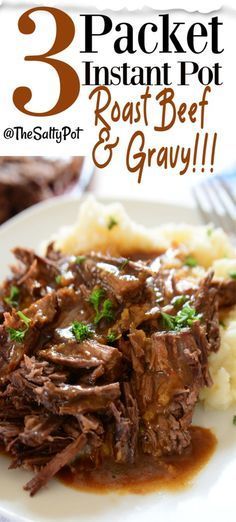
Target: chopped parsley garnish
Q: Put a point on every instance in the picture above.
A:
(234, 420)
(168, 320)
(190, 261)
(105, 313)
(58, 279)
(80, 259)
(13, 298)
(111, 223)
(95, 298)
(81, 331)
(179, 300)
(112, 336)
(233, 275)
(24, 318)
(18, 335)
(185, 317)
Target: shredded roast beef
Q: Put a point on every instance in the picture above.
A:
(207, 302)
(55, 464)
(102, 356)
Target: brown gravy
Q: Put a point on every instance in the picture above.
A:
(172, 473)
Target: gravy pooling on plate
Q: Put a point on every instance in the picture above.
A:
(146, 474)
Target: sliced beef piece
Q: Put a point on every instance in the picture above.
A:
(38, 429)
(73, 307)
(202, 342)
(75, 399)
(34, 276)
(135, 315)
(37, 385)
(121, 279)
(206, 302)
(12, 352)
(169, 368)
(126, 426)
(9, 430)
(125, 265)
(35, 373)
(43, 311)
(40, 313)
(46, 267)
(86, 354)
(226, 291)
(122, 434)
(30, 457)
(59, 461)
(40, 372)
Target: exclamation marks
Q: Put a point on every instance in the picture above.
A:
(205, 152)
(213, 151)
(195, 152)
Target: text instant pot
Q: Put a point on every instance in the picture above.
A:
(160, 38)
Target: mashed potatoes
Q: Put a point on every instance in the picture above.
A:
(92, 231)
(223, 367)
(108, 228)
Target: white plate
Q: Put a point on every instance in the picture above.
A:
(212, 494)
